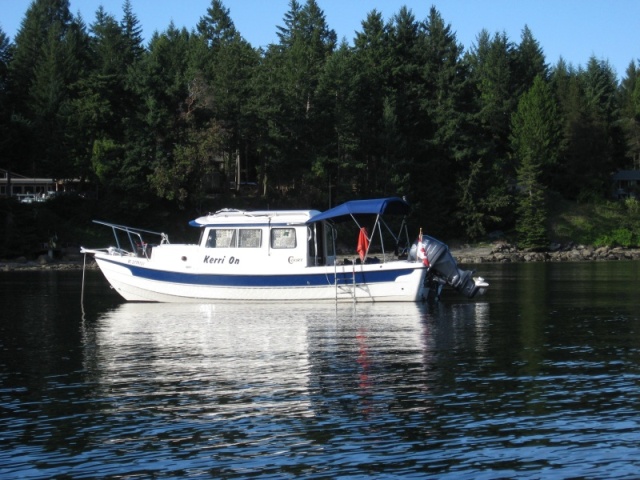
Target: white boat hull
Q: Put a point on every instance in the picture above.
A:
(284, 256)
(138, 280)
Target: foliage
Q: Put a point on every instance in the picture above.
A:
(476, 139)
(620, 237)
(534, 140)
(598, 223)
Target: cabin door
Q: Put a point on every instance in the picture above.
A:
(329, 243)
(321, 244)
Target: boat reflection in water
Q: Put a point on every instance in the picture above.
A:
(195, 361)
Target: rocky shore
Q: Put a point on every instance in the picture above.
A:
(506, 253)
(466, 254)
(44, 262)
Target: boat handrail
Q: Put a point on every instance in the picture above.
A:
(124, 228)
(139, 247)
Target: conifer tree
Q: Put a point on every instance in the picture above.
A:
(629, 100)
(335, 164)
(593, 142)
(294, 66)
(529, 62)
(443, 101)
(5, 58)
(167, 100)
(50, 58)
(111, 109)
(8, 127)
(376, 149)
(403, 112)
(485, 202)
(227, 63)
(534, 139)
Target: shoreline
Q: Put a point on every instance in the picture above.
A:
(505, 253)
(45, 263)
(464, 255)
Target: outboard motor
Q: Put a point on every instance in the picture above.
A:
(435, 254)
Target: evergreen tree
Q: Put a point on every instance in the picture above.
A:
(166, 102)
(335, 164)
(186, 178)
(629, 100)
(101, 105)
(8, 137)
(217, 27)
(132, 33)
(593, 142)
(604, 116)
(31, 39)
(534, 141)
(491, 63)
(403, 108)
(229, 69)
(111, 110)
(50, 58)
(565, 86)
(485, 187)
(529, 62)
(5, 59)
(443, 99)
(376, 150)
(294, 66)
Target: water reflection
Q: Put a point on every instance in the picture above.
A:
(255, 380)
(540, 378)
(213, 357)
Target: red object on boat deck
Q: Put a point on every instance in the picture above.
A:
(363, 243)
(422, 254)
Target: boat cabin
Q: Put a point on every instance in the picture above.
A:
(267, 236)
(239, 241)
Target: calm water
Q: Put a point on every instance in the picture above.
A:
(538, 379)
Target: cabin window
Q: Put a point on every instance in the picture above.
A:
(283, 238)
(221, 238)
(249, 238)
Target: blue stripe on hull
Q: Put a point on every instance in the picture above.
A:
(288, 280)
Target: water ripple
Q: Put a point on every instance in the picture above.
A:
(471, 390)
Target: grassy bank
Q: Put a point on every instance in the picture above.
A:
(597, 222)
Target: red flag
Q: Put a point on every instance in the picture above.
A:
(363, 243)
(422, 254)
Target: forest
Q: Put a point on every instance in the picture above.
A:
(480, 140)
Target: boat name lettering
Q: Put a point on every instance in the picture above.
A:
(293, 260)
(232, 260)
(135, 262)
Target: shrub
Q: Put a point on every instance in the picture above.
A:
(621, 237)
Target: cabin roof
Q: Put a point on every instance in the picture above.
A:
(626, 175)
(231, 217)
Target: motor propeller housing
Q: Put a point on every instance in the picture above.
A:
(437, 257)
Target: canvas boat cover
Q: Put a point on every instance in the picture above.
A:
(376, 206)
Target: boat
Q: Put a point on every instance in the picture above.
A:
(286, 255)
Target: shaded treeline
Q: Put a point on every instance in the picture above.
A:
(475, 138)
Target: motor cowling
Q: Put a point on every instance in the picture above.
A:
(437, 257)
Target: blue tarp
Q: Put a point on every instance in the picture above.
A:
(376, 206)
